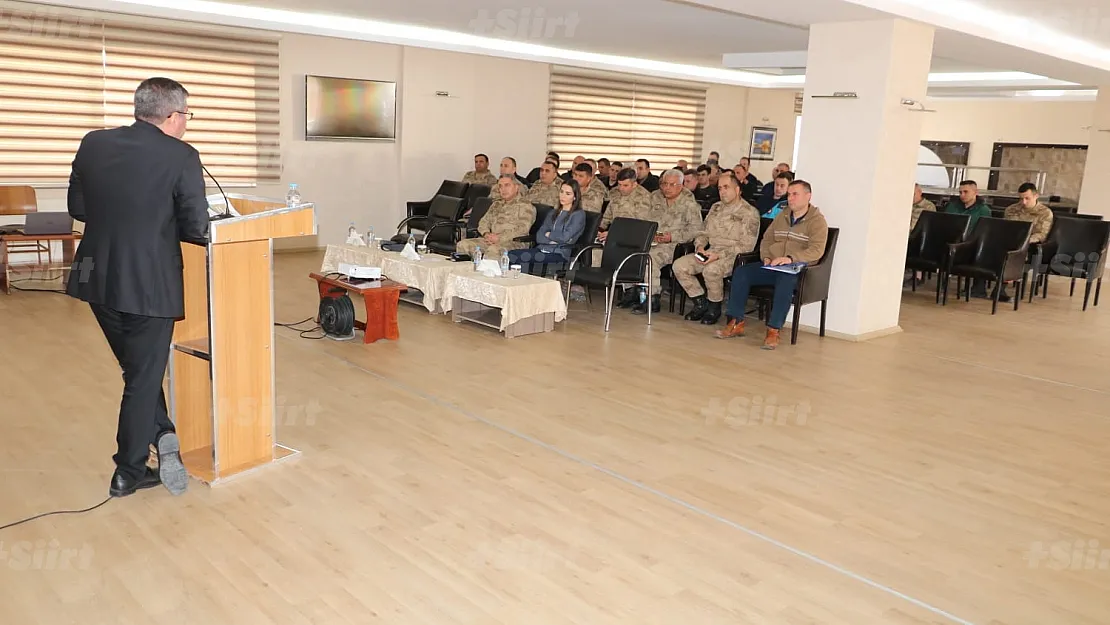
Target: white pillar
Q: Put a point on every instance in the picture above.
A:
(1094, 197)
(860, 155)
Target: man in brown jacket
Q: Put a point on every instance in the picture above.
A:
(795, 236)
(731, 228)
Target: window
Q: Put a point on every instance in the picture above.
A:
(67, 73)
(624, 118)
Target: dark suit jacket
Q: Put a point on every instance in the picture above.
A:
(140, 192)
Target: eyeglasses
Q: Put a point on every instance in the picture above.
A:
(187, 114)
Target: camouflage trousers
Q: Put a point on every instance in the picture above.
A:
(493, 251)
(687, 268)
(661, 256)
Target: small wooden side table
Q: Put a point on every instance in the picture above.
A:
(379, 298)
(32, 244)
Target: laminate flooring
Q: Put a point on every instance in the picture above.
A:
(953, 473)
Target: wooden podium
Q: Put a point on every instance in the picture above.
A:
(221, 369)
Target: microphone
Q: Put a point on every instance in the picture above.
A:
(227, 203)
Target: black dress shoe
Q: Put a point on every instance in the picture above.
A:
(630, 298)
(123, 486)
(171, 471)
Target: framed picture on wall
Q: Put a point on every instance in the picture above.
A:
(763, 143)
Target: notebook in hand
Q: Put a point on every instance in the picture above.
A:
(793, 268)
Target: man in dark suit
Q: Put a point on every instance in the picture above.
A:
(139, 190)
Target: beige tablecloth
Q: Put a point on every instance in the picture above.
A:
(518, 298)
(430, 274)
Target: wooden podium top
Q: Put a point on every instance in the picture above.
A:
(259, 219)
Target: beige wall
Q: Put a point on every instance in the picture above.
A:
(730, 114)
(984, 122)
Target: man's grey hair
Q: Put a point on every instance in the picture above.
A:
(158, 98)
(673, 173)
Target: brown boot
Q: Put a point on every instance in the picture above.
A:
(734, 328)
(772, 340)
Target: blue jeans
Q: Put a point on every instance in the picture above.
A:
(529, 258)
(753, 274)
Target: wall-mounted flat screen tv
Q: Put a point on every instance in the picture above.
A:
(345, 108)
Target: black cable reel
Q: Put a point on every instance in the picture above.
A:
(337, 315)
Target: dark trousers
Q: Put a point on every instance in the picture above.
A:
(529, 258)
(753, 274)
(142, 348)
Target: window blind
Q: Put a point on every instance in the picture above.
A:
(67, 72)
(233, 92)
(51, 92)
(624, 117)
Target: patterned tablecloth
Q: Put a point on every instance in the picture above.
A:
(431, 274)
(518, 298)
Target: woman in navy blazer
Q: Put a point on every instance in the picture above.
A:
(560, 231)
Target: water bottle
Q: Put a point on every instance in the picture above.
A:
(370, 236)
(412, 240)
(477, 257)
(504, 263)
(293, 196)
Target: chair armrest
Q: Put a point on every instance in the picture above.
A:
(582, 251)
(418, 209)
(445, 224)
(746, 259)
(1014, 265)
(961, 253)
(524, 239)
(406, 220)
(617, 272)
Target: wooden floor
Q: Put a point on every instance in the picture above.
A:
(455, 477)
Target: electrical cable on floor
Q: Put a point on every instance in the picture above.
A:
(304, 334)
(57, 512)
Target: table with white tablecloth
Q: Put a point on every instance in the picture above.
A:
(429, 275)
(516, 306)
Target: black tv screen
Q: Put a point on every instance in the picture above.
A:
(345, 108)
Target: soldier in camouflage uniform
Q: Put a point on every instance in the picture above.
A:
(628, 199)
(594, 192)
(507, 218)
(731, 228)
(920, 205)
(678, 214)
(1029, 209)
(481, 173)
(546, 189)
(508, 168)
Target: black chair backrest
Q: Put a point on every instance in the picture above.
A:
(445, 208)
(935, 232)
(628, 236)
(1080, 242)
(589, 235)
(818, 277)
(995, 237)
(453, 188)
(477, 211)
(1064, 210)
(542, 211)
(475, 191)
(1086, 216)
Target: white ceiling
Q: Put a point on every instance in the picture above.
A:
(662, 30)
(688, 32)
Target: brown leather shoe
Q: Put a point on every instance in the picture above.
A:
(772, 340)
(733, 329)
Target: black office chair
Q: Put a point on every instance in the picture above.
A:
(625, 261)
(813, 287)
(445, 236)
(542, 211)
(929, 241)
(442, 209)
(449, 188)
(588, 236)
(996, 252)
(475, 191)
(1076, 249)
